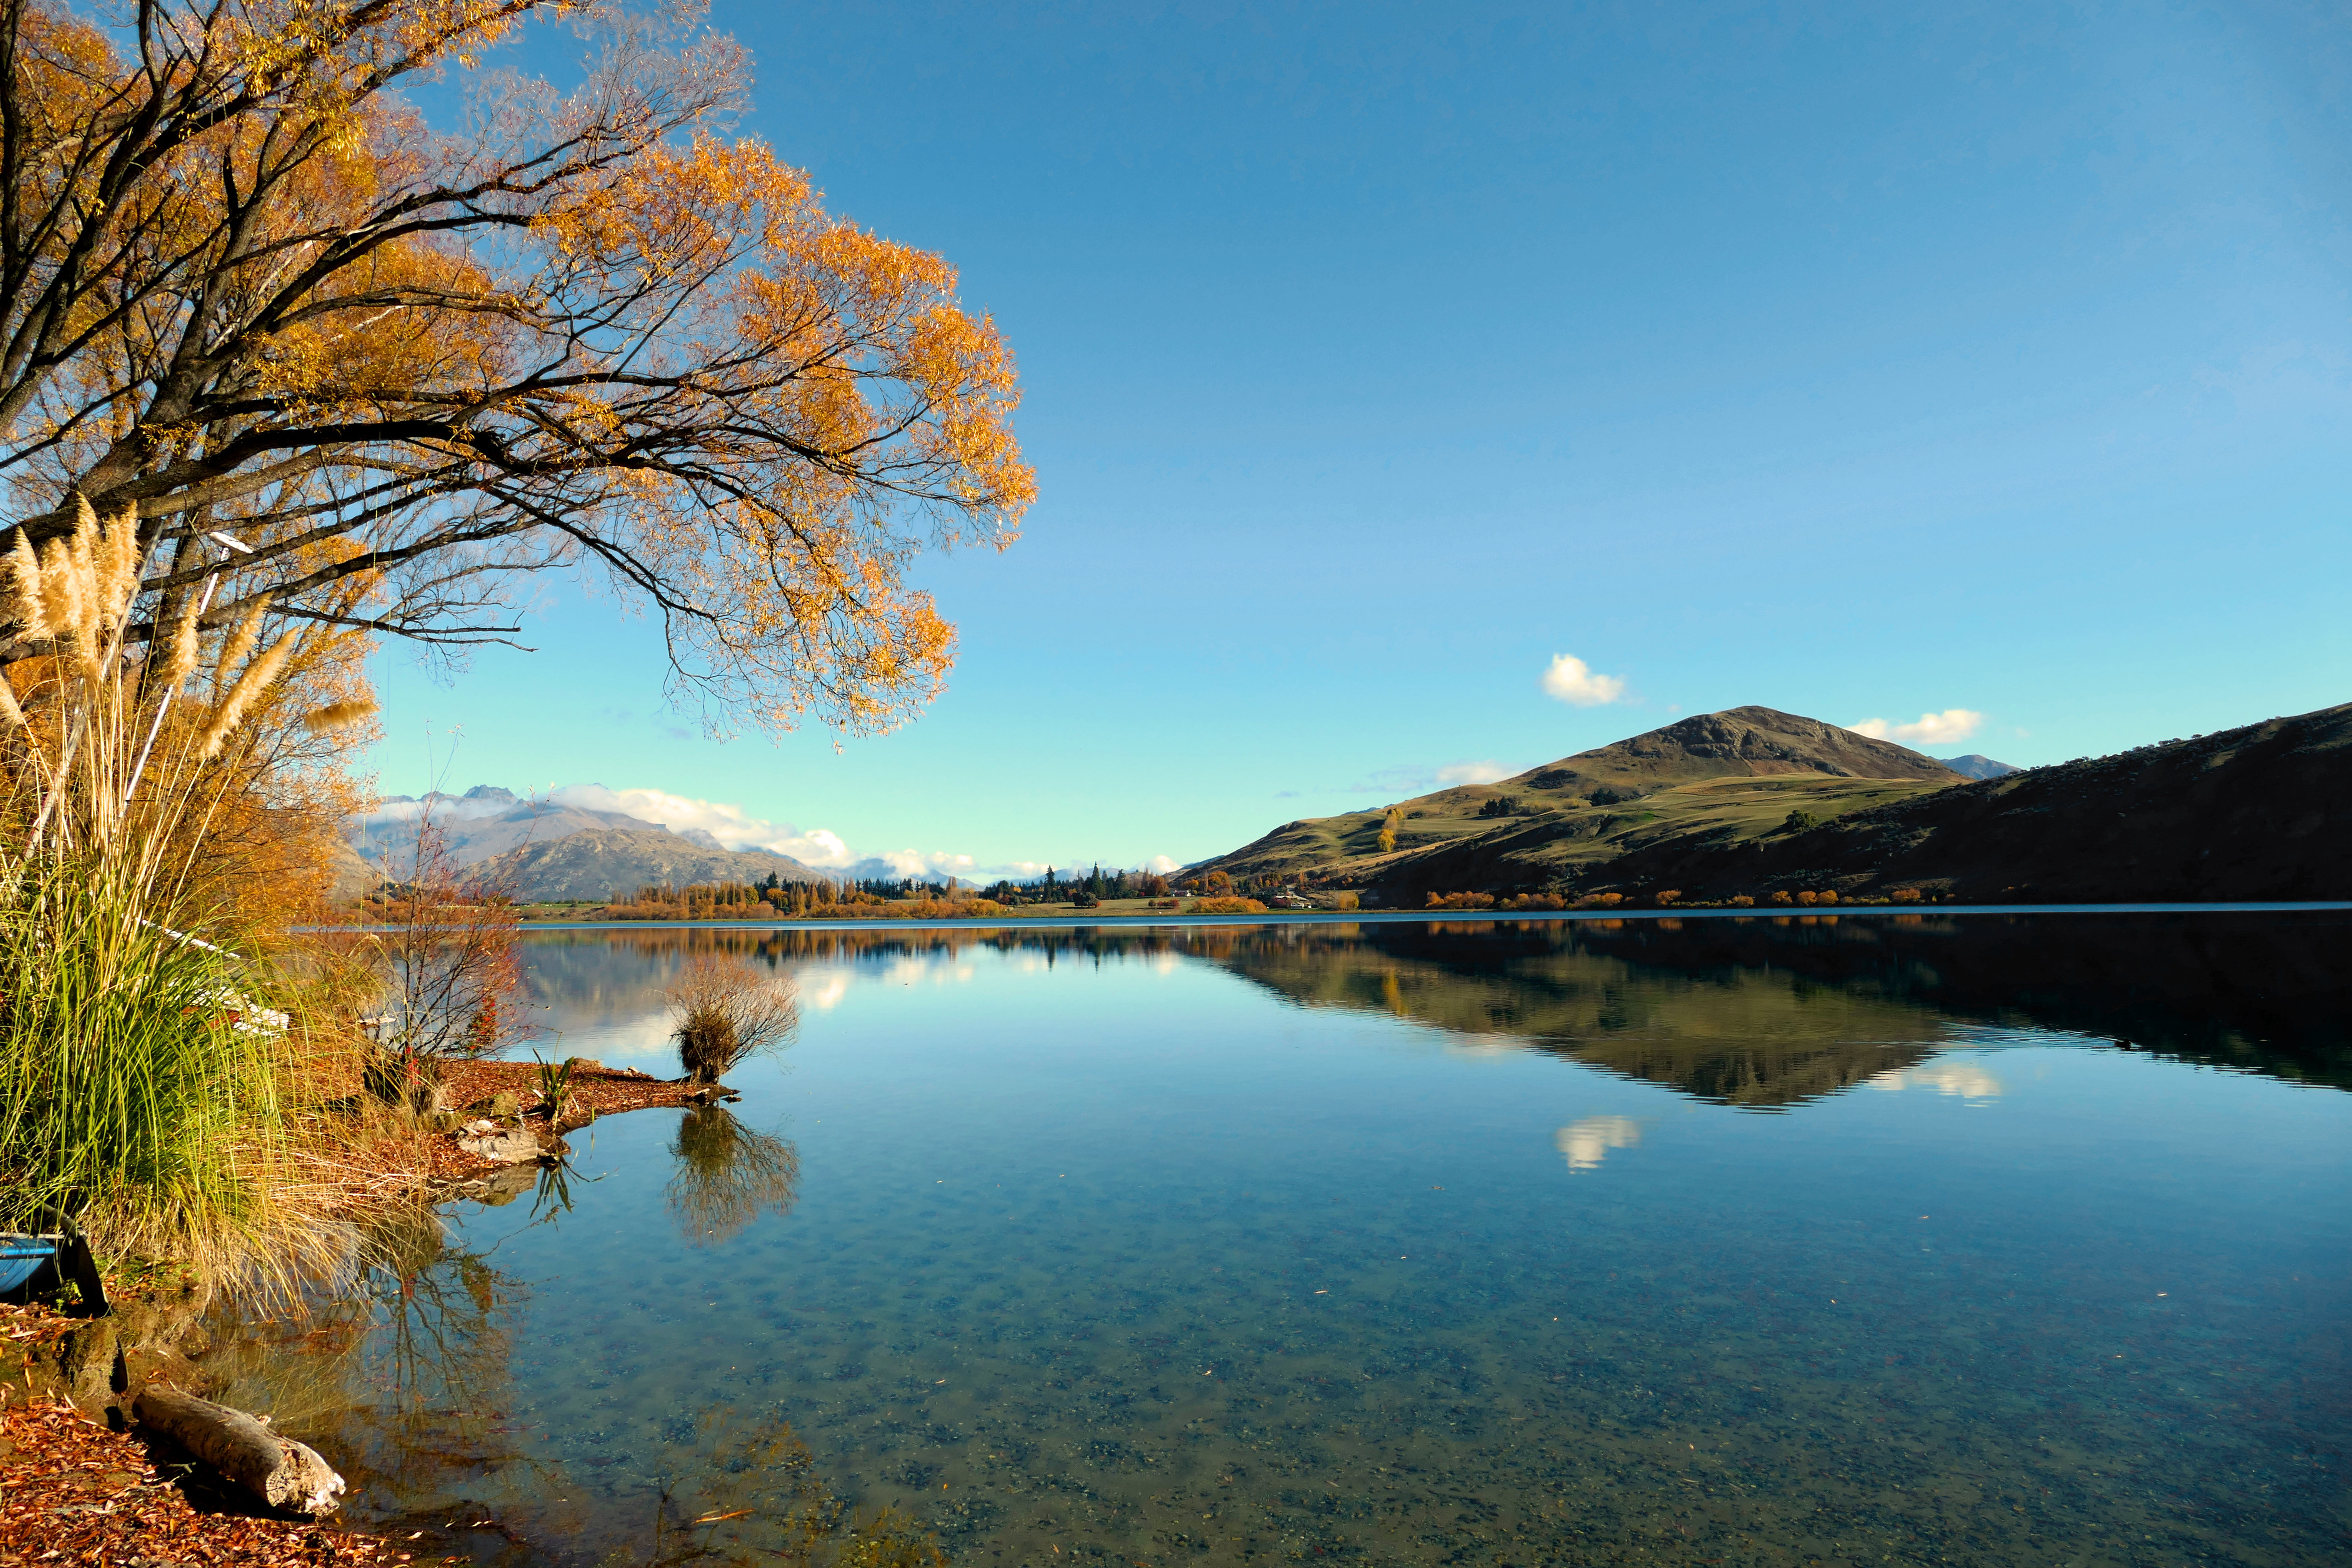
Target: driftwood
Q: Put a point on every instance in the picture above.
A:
(281, 1471)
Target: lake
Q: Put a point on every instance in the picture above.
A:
(1857, 1238)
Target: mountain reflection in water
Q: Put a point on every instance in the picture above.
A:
(1759, 1012)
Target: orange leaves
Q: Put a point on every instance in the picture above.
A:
(415, 368)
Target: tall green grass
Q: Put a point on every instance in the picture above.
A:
(143, 1081)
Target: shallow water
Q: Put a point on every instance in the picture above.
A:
(2002, 1239)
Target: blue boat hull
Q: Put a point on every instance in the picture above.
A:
(21, 1258)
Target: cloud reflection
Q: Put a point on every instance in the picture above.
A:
(1946, 1076)
(1585, 1143)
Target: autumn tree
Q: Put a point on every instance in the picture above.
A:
(375, 375)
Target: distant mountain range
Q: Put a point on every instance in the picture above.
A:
(1753, 801)
(550, 853)
(486, 821)
(1977, 766)
(613, 863)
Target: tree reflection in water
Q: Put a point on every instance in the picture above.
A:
(727, 1176)
(405, 1383)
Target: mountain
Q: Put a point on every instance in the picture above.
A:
(1752, 802)
(2262, 812)
(1750, 742)
(595, 863)
(1744, 768)
(485, 821)
(1976, 766)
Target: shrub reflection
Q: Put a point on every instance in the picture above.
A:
(727, 1176)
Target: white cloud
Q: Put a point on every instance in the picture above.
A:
(1571, 680)
(1932, 730)
(1161, 864)
(446, 808)
(1584, 1144)
(1472, 773)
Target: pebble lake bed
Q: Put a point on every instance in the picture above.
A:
(1984, 1238)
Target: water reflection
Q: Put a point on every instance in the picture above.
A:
(1583, 1143)
(1945, 1075)
(409, 1385)
(1396, 1244)
(403, 1378)
(727, 1176)
(1762, 1013)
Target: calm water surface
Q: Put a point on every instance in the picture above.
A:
(1979, 1240)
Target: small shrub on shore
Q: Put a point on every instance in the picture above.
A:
(1782, 896)
(728, 1011)
(1534, 901)
(1600, 900)
(1740, 901)
(1461, 900)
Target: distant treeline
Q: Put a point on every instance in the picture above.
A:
(1092, 888)
(774, 897)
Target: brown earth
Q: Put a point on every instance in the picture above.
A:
(72, 1491)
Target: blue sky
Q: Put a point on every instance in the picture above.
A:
(1862, 362)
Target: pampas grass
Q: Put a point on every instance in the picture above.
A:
(159, 1076)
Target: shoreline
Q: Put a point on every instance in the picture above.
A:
(80, 1480)
(1396, 917)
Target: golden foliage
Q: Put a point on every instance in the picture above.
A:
(416, 369)
(1225, 905)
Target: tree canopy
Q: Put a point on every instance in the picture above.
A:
(246, 289)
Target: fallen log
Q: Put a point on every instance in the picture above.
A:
(281, 1471)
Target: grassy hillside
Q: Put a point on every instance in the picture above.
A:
(2262, 812)
(2255, 813)
(1737, 773)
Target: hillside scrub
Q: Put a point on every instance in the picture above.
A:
(1225, 904)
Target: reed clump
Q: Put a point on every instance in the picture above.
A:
(162, 1077)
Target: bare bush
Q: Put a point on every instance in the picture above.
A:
(728, 1011)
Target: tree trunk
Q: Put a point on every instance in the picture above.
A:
(281, 1471)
